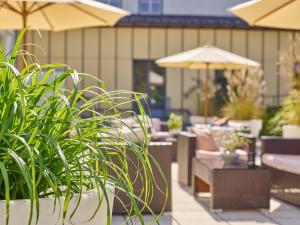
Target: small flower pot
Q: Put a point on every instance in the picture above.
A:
(230, 158)
(291, 131)
(174, 131)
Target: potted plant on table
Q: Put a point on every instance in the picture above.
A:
(53, 169)
(175, 123)
(245, 90)
(234, 143)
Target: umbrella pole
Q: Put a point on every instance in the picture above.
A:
(24, 17)
(206, 93)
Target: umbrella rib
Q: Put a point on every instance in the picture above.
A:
(8, 6)
(2, 4)
(273, 11)
(88, 13)
(47, 19)
(31, 7)
(41, 7)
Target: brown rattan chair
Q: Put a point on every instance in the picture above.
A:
(186, 151)
(161, 152)
(285, 185)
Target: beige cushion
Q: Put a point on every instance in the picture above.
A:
(288, 163)
(205, 140)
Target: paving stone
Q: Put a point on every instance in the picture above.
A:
(190, 210)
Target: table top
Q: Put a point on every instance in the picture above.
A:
(217, 163)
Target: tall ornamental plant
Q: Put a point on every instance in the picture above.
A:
(245, 90)
(50, 149)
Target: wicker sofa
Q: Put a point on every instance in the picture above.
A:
(161, 151)
(187, 150)
(282, 157)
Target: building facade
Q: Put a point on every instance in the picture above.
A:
(123, 56)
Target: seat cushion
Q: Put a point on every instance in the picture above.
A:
(205, 140)
(162, 135)
(288, 163)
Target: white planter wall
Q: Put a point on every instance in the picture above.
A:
(20, 210)
(291, 131)
(254, 125)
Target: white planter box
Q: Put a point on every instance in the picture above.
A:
(196, 120)
(20, 210)
(291, 131)
(239, 124)
(255, 127)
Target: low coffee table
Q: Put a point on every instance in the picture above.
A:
(231, 187)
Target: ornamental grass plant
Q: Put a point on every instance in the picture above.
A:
(50, 148)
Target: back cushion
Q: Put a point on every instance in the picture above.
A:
(205, 140)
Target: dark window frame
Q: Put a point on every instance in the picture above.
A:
(111, 2)
(149, 63)
(150, 11)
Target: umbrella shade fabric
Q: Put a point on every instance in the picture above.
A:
(270, 13)
(57, 15)
(201, 57)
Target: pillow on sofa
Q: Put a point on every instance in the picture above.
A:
(205, 140)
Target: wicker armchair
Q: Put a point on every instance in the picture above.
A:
(282, 157)
(186, 151)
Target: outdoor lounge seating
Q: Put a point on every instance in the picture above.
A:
(161, 151)
(282, 157)
(188, 149)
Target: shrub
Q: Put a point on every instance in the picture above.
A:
(242, 109)
(175, 121)
(291, 109)
(245, 89)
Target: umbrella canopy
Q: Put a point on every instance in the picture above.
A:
(201, 57)
(208, 58)
(57, 15)
(269, 13)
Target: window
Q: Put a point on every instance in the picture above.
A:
(150, 80)
(116, 3)
(150, 6)
(221, 95)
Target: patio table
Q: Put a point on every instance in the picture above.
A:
(231, 187)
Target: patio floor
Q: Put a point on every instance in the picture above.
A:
(190, 211)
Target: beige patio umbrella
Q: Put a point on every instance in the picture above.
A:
(207, 58)
(270, 13)
(57, 15)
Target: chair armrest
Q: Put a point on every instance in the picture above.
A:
(279, 145)
(186, 151)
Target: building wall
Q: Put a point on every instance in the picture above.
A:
(199, 7)
(108, 53)
(190, 7)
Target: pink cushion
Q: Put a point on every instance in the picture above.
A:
(205, 140)
(203, 154)
(288, 163)
(160, 135)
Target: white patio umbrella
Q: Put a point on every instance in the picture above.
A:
(57, 15)
(270, 13)
(207, 58)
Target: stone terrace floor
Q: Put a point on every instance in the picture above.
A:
(190, 211)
